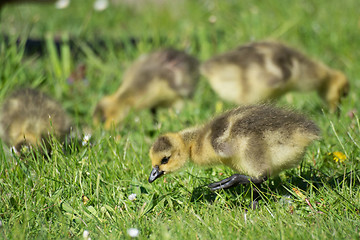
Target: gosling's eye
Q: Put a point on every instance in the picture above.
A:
(165, 160)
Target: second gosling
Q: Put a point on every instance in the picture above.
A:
(261, 71)
(255, 141)
(29, 117)
(160, 79)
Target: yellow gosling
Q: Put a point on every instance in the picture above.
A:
(161, 79)
(262, 71)
(255, 141)
(28, 118)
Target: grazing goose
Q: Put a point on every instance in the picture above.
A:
(266, 70)
(255, 141)
(28, 118)
(160, 79)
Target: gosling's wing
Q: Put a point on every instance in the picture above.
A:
(261, 118)
(40, 111)
(252, 122)
(176, 68)
(184, 69)
(133, 70)
(220, 136)
(256, 64)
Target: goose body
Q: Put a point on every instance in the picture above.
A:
(262, 71)
(160, 79)
(29, 117)
(255, 141)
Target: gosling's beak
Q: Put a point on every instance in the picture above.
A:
(155, 173)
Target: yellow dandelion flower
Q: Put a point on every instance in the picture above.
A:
(85, 199)
(338, 157)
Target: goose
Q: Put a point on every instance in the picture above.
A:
(163, 78)
(29, 117)
(256, 141)
(265, 70)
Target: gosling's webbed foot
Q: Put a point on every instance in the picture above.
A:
(233, 181)
(229, 182)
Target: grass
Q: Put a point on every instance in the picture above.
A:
(87, 188)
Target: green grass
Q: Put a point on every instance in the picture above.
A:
(42, 198)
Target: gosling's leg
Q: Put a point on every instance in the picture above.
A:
(154, 115)
(153, 111)
(237, 179)
(155, 122)
(233, 181)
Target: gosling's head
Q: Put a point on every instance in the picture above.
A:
(25, 142)
(337, 88)
(167, 154)
(106, 112)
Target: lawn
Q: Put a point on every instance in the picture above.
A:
(88, 187)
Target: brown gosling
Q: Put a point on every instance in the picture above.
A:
(28, 118)
(262, 71)
(160, 79)
(255, 141)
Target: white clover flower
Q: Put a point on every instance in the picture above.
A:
(61, 4)
(133, 232)
(86, 139)
(86, 234)
(212, 19)
(132, 197)
(13, 150)
(101, 5)
(1, 224)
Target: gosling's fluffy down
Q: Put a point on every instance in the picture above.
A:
(28, 117)
(262, 71)
(256, 141)
(161, 79)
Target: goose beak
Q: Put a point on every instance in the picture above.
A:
(155, 173)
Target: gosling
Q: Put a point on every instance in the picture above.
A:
(256, 141)
(160, 79)
(28, 118)
(262, 71)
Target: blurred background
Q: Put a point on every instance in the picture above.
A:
(78, 50)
